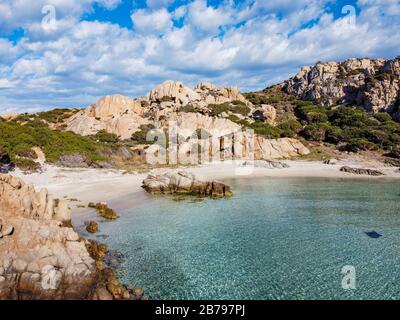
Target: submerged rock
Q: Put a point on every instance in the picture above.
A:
(360, 171)
(373, 234)
(184, 183)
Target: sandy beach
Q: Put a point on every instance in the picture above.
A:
(124, 189)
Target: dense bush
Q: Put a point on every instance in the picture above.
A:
(290, 128)
(265, 130)
(355, 145)
(315, 131)
(140, 137)
(257, 98)
(18, 140)
(106, 137)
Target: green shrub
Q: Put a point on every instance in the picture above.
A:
(140, 137)
(311, 113)
(290, 128)
(26, 164)
(315, 131)
(395, 152)
(237, 107)
(19, 139)
(358, 144)
(106, 137)
(56, 115)
(334, 135)
(383, 117)
(257, 98)
(265, 130)
(189, 108)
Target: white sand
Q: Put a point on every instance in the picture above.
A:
(105, 185)
(95, 185)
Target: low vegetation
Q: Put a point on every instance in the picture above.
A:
(17, 140)
(236, 107)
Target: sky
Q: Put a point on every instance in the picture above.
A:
(68, 53)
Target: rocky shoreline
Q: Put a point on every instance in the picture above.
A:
(42, 257)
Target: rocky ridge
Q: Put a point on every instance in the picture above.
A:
(169, 103)
(373, 84)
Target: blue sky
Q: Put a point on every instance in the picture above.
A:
(99, 47)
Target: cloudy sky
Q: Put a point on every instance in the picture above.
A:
(96, 47)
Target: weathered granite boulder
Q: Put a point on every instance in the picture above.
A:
(360, 171)
(115, 114)
(39, 257)
(184, 183)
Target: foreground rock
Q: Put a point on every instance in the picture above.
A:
(40, 258)
(184, 183)
(359, 171)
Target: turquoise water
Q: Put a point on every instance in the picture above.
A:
(275, 239)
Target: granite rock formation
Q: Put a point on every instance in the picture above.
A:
(371, 84)
(184, 183)
(41, 256)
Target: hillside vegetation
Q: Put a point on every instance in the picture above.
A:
(347, 127)
(17, 140)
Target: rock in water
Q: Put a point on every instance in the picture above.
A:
(373, 234)
(184, 183)
(92, 226)
(359, 171)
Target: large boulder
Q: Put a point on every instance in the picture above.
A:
(39, 258)
(184, 183)
(115, 114)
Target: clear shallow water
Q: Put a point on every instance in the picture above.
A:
(275, 239)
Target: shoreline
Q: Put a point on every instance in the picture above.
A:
(122, 190)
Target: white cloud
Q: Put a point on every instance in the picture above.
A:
(80, 60)
(158, 21)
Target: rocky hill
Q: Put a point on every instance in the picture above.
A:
(218, 111)
(124, 116)
(371, 84)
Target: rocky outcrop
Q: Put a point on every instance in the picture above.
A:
(359, 171)
(211, 94)
(184, 183)
(39, 258)
(123, 116)
(372, 84)
(265, 113)
(174, 92)
(76, 160)
(265, 164)
(273, 149)
(115, 114)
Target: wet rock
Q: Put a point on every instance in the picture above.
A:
(360, 171)
(92, 226)
(104, 211)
